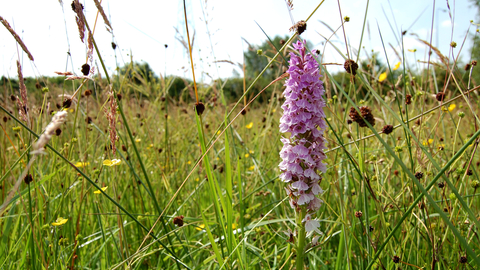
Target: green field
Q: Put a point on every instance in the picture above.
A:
(135, 177)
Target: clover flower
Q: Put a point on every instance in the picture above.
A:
(304, 119)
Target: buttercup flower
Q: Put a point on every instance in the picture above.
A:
(113, 162)
(302, 151)
(98, 191)
(60, 221)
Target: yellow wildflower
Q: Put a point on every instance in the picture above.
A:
(451, 107)
(247, 155)
(251, 151)
(251, 168)
(219, 132)
(81, 164)
(200, 227)
(412, 50)
(113, 162)
(382, 77)
(397, 66)
(249, 126)
(98, 191)
(138, 140)
(189, 162)
(425, 143)
(60, 221)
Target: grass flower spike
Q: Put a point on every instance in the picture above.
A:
(302, 151)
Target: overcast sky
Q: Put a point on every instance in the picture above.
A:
(142, 28)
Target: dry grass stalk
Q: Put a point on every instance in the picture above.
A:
(110, 113)
(17, 38)
(22, 104)
(80, 18)
(68, 73)
(105, 19)
(437, 52)
(57, 120)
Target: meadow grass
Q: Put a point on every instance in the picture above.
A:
(189, 190)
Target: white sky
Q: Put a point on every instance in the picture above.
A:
(143, 27)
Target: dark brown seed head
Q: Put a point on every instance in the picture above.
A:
(371, 229)
(282, 42)
(88, 120)
(124, 148)
(419, 175)
(467, 67)
(474, 62)
(387, 129)
(160, 150)
(85, 69)
(38, 85)
(28, 179)
(350, 66)
(441, 184)
(469, 172)
(178, 221)
(440, 96)
(358, 214)
(408, 99)
(243, 112)
(67, 103)
(300, 27)
(58, 131)
(114, 46)
(404, 33)
(396, 259)
(199, 108)
(88, 92)
(349, 121)
(366, 115)
(463, 259)
(13, 98)
(119, 96)
(396, 172)
(5, 119)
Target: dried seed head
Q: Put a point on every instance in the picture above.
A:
(124, 148)
(28, 179)
(387, 129)
(114, 46)
(178, 221)
(358, 214)
(396, 172)
(440, 96)
(467, 67)
(463, 259)
(350, 66)
(119, 96)
(469, 172)
(441, 184)
(5, 119)
(396, 259)
(243, 112)
(85, 69)
(13, 98)
(419, 175)
(408, 99)
(282, 42)
(58, 131)
(67, 103)
(89, 120)
(199, 108)
(474, 62)
(88, 92)
(300, 27)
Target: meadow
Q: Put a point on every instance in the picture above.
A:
(137, 171)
